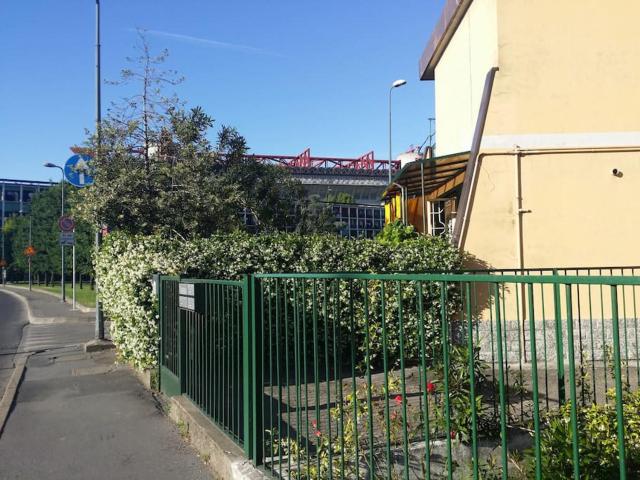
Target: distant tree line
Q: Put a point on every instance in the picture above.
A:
(45, 238)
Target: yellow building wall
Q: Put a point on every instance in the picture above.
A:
(460, 76)
(565, 67)
(577, 212)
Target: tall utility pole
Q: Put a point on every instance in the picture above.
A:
(99, 317)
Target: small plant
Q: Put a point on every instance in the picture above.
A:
(154, 379)
(598, 441)
(394, 233)
(183, 429)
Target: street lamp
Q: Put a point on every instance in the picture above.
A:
(396, 84)
(53, 165)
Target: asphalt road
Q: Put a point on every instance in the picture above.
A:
(13, 317)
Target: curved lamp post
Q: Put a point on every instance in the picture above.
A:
(396, 84)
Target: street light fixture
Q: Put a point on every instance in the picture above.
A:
(396, 84)
(53, 165)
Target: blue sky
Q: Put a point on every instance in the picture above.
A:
(287, 74)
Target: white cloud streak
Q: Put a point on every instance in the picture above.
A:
(212, 43)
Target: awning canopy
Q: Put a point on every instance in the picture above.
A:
(438, 175)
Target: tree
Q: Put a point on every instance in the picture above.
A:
(43, 220)
(157, 172)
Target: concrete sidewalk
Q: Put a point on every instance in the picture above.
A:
(46, 308)
(81, 416)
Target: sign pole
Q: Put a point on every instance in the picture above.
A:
(73, 280)
(30, 244)
(64, 296)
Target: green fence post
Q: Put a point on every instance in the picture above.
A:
(247, 374)
(182, 349)
(251, 368)
(157, 281)
(559, 341)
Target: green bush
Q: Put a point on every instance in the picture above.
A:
(126, 263)
(598, 441)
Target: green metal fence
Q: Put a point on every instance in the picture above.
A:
(420, 375)
(169, 349)
(202, 347)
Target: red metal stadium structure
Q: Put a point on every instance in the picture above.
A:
(305, 160)
(366, 162)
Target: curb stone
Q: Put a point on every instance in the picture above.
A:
(225, 458)
(11, 390)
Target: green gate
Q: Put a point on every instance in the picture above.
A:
(201, 347)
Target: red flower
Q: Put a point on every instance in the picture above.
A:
(398, 400)
(314, 423)
(453, 435)
(318, 433)
(431, 387)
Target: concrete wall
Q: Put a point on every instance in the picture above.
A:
(460, 76)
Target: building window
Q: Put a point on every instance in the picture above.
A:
(11, 195)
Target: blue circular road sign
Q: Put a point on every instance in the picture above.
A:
(77, 170)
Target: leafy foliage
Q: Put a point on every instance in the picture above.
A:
(395, 233)
(156, 171)
(45, 211)
(126, 263)
(598, 441)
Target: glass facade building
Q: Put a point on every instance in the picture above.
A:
(15, 196)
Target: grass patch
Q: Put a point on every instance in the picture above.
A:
(84, 296)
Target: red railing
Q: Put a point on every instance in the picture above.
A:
(305, 160)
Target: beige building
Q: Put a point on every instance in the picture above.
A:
(537, 133)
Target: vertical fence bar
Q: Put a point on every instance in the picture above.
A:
(424, 383)
(249, 379)
(534, 378)
(287, 372)
(354, 385)
(316, 368)
(472, 383)
(367, 327)
(559, 340)
(403, 385)
(161, 325)
(327, 373)
(575, 440)
(618, 372)
(296, 354)
(445, 358)
(385, 367)
(501, 386)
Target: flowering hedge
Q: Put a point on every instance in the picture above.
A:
(125, 264)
